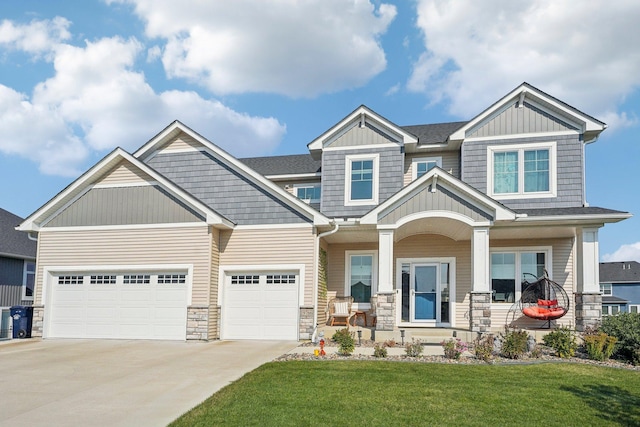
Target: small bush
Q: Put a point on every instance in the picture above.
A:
(514, 343)
(483, 347)
(599, 346)
(536, 353)
(413, 349)
(453, 348)
(380, 350)
(563, 341)
(626, 328)
(346, 343)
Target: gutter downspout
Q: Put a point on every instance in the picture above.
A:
(317, 259)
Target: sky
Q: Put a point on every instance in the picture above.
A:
(266, 77)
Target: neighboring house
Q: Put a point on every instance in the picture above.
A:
(17, 267)
(620, 287)
(441, 222)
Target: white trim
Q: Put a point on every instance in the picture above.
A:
(167, 150)
(126, 184)
(434, 214)
(374, 275)
(294, 176)
(273, 226)
(24, 280)
(416, 160)
(125, 226)
(226, 270)
(516, 136)
(361, 147)
(518, 250)
(349, 159)
(520, 149)
(637, 307)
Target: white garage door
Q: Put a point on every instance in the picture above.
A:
(141, 305)
(260, 306)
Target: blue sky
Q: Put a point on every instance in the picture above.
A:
(265, 77)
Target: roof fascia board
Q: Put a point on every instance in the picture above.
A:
(575, 219)
(281, 194)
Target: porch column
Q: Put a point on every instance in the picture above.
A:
(480, 298)
(588, 297)
(386, 306)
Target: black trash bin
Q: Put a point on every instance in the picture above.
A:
(22, 317)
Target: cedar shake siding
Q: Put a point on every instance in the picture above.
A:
(225, 190)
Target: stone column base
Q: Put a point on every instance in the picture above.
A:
(307, 323)
(37, 325)
(588, 310)
(386, 312)
(198, 323)
(480, 311)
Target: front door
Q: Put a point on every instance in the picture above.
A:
(424, 293)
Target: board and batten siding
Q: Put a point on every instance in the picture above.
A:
(450, 162)
(132, 246)
(124, 173)
(357, 136)
(569, 155)
(514, 120)
(271, 246)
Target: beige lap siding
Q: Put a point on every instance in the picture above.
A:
(124, 173)
(271, 246)
(131, 246)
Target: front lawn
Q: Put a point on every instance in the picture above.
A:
(380, 393)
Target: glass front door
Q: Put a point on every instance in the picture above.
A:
(424, 293)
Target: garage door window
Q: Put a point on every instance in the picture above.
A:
(274, 279)
(136, 279)
(70, 280)
(103, 280)
(172, 278)
(245, 280)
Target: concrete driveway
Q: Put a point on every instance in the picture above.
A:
(118, 383)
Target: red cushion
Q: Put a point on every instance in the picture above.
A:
(548, 302)
(543, 313)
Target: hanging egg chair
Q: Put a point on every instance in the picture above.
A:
(543, 300)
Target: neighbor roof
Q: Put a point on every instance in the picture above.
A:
(12, 242)
(620, 272)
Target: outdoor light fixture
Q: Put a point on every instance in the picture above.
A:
(402, 335)
(359, 337)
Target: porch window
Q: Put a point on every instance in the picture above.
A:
(361, 180)
(522, 171)
(506, 267)
(361, 276)
(28, 280)
(605, 289)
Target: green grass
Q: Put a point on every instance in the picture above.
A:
(378, 393)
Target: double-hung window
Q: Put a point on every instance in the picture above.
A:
(361, 179)
(522, 171)
(28, 280)
(511, 270)
(605, 289)
(309, 193)
(422, 165)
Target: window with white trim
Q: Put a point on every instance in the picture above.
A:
(634, 308)
(510, 269)
(361, 179)
(605, 289)
(522, 171)
(361, 275)
(28, 280)
(610, 310)
(308, 193)
(422, 165)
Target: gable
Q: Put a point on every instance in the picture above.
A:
(124, 173)
(358, 135)
(144, 204)
(181, 142)
(515, 119)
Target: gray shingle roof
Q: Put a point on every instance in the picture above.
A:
(433, 133)
(14, 242)
(589, 210)
(283, 165)
(620, 272)
(610, 299)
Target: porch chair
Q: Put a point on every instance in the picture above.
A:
(340, 311)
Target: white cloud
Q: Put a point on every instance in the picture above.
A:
(96, 101)
(299, 49)
(36, 37)
(629, 252)
(476, 51)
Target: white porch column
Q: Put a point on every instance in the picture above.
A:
(588, 264)
(385, 261)
(480, 260)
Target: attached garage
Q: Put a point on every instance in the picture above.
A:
(131, 305)
(261, 305)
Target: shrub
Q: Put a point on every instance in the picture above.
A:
(626, 328)
(346, 343)
(514, 343)
(413, 349)
(563, 341)
(380, 350)
(390, 343)
(453, 348)
(483, 347)
(599, 346)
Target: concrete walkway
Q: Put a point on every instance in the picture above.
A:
(118, 383)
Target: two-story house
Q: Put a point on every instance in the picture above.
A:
(441, 223)
(17, 268)
(620, 287)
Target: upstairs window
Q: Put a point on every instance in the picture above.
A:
(525, 171)
(361, 181)
(605, 289)
(308, 193)
(422, 165)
